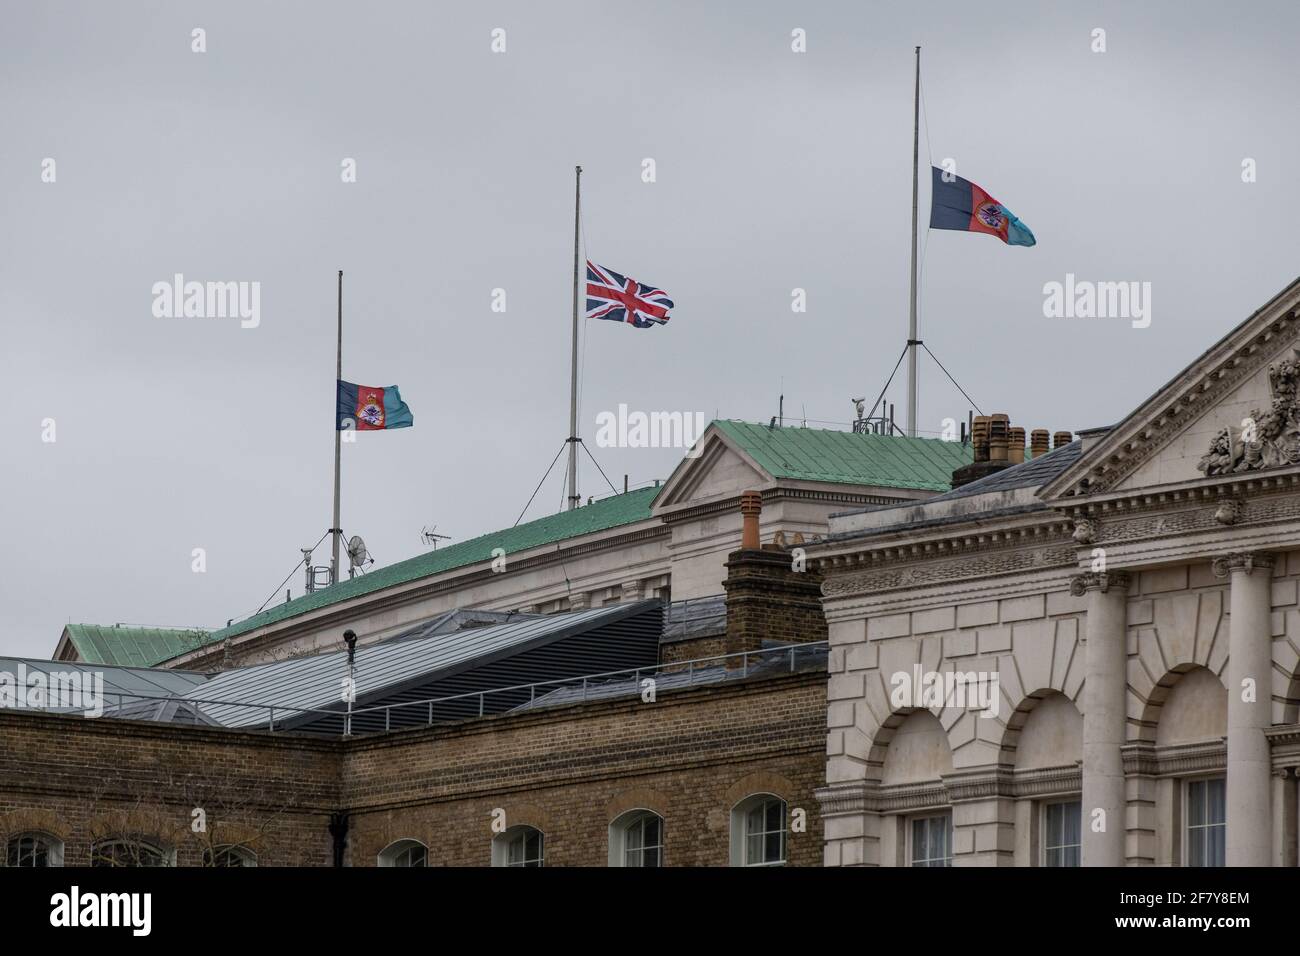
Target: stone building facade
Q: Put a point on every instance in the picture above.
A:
(1093, 656)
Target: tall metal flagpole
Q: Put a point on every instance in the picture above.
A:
(573, 367)
(911, 323)
(335, 531)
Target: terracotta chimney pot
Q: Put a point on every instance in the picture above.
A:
(751, 506)
(1039, 442)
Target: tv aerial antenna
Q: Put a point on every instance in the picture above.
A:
(431, 536)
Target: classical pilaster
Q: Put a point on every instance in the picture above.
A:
(1249, 679)
(1103, 716)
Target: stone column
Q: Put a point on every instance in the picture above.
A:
(1103, 716)
(1250, 651)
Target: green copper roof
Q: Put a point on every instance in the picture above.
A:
(813, 454)
(600, 515)
(131, 646)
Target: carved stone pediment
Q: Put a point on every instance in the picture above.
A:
(1150, 446)
(1265, 439)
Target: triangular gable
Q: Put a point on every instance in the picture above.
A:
(1165, 439)
(720, 469)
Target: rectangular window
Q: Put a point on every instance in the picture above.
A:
(1206, 822)
(932, 841)
(1061, 822)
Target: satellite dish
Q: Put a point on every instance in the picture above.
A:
(357, 553)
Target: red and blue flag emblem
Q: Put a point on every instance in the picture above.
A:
(957, 203)
(620, 299)
(367, 408)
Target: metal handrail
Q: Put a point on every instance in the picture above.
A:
(792, 650)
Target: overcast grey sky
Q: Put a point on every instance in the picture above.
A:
(775, 170)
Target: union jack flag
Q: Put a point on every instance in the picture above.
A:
(620, 299)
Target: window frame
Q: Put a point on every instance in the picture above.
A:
(618, 830)
(740, 832)
(501, 847)
(929, 862)
(1185, 795)
(1044, 830)
(399, 849)
(53, 848)
(238, 851)
(166, 857)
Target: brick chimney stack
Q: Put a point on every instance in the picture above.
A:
(771, 593)
(996, 445)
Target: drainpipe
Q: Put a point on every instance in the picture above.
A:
(339, 831)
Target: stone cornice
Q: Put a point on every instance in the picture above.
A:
(1047, 781)
(984, 783)
(1285, 744)
(731, 504)
(1143, 758)
(970, 557)
(1198, 506)
(909, 797)
(840, 798)
(981, 784)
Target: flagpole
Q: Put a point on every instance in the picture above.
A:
(912, 341)
(335, 531)
(573, 365)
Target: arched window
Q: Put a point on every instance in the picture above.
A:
(119, 852)
(222, 856)
(758, 830)
(404, 853)
(636, 838)
(519, 846)
(34, 849)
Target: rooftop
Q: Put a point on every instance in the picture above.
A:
(1009, 491)
(815, 454)
(123, 646)
(611, 512)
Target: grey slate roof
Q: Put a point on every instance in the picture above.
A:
(1030, 474)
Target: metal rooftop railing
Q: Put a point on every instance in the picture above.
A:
(345, 720)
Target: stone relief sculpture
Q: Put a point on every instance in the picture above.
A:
(1266, 439)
